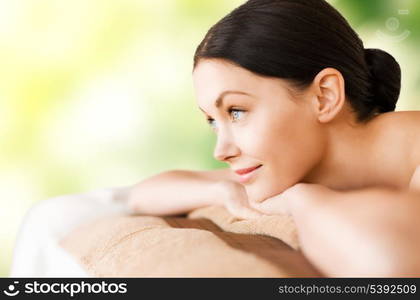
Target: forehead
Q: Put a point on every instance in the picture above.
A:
(211, 77)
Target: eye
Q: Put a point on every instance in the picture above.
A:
(236, 113)
(212, 123)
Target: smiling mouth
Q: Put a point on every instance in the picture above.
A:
(246, 170)
(245, 175)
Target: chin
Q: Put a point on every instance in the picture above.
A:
(259, 193)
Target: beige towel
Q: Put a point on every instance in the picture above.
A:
(208, 242)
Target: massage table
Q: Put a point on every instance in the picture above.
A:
(94, 234)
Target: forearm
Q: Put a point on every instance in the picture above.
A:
(370, 232)
(175, 192)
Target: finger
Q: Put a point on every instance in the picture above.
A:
(415, 180)
(248, 213)
(277, 205)
(244, 212)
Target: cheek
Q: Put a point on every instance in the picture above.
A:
(271, 135)
(289, 149)
(281, 138)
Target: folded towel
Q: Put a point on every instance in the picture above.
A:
(281, 227)
(37, 251)
(208, 242)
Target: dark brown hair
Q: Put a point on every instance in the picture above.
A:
(295, 40)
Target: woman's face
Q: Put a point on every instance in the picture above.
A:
(258, 123)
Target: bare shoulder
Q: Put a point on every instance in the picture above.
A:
(409, 124)
(399, 124)
(400, 132)
(399, 118)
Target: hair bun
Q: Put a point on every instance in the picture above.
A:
(385, 79)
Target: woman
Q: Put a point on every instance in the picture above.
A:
(304, 118)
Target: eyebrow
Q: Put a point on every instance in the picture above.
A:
(219, 100)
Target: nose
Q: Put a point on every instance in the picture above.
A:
(225, 147)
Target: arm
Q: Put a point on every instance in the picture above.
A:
(368, 232)
(178, 191)
(371, 232)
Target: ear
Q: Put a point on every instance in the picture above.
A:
(329, 94)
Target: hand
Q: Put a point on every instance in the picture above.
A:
(292, 199)
(236, 200)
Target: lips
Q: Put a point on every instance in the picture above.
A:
(246, 170)
(246, 175)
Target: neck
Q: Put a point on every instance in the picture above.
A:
(351, 157)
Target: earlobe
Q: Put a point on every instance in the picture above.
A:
(330, 94)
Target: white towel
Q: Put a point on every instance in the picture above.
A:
(37, 252)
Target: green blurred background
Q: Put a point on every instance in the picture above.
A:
(98, 93)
